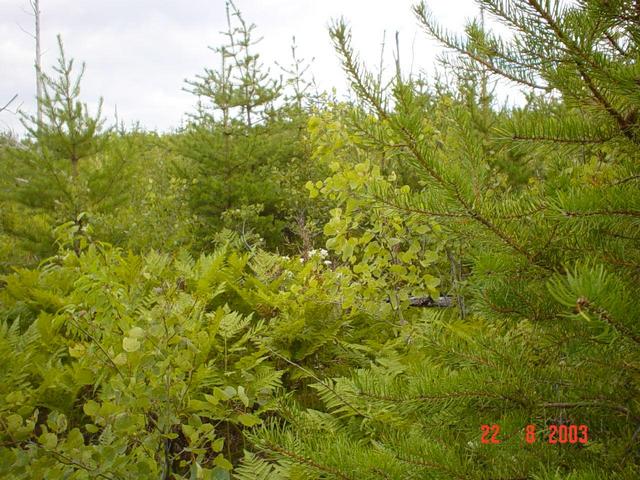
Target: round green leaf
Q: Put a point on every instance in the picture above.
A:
(130, 344)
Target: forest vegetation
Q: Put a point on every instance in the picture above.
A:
(419, 283)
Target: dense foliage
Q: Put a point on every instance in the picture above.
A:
(415, 284)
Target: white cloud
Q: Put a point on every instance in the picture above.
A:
(139, 52)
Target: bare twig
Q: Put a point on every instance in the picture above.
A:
(8, 103)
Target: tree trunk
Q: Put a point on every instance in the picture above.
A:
(74, 166)
(35, 5)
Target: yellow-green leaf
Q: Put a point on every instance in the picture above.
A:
(243, 396)
(78, 350)
(248, 419)
(130, 344)
(48, 440)
(120, 359)
(222, 462)
(14, 422)
(136, 332)
(217, 445)
(91, 408)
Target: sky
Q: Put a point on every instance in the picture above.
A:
(138, 53)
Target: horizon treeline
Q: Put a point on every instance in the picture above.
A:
(418, 282)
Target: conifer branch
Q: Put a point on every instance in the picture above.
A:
(443, 396)
(556, 140)
(304, 460)
(589, 404)
(627, 179)
(433, 213)
(427, 464)
(579, 58)
(420, 11)
(583, 304)
(420, 211)
(616, 46)
(599, 213)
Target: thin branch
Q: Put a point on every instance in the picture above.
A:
(586, 404)
(9, 103)
(597, 213)
(106, 354)
(628, 179)
(570, 141)
(615, 44)
(71, 462)
(25, 31)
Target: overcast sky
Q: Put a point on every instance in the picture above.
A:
(138, 53)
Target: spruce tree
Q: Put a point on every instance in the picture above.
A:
(241, 89)
(247, 159)
(68, 131)
(65, 170)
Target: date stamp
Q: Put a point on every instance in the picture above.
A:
(551, 434)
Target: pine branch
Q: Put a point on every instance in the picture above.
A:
(627, 179)
(305, 461)
(426, 398)
(606, 213)
(585, 305)
(580, 58)
(555, 140)
(589, 404)
(461, 48)
(428, 465)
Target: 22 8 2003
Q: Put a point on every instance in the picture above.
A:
(552, 434)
